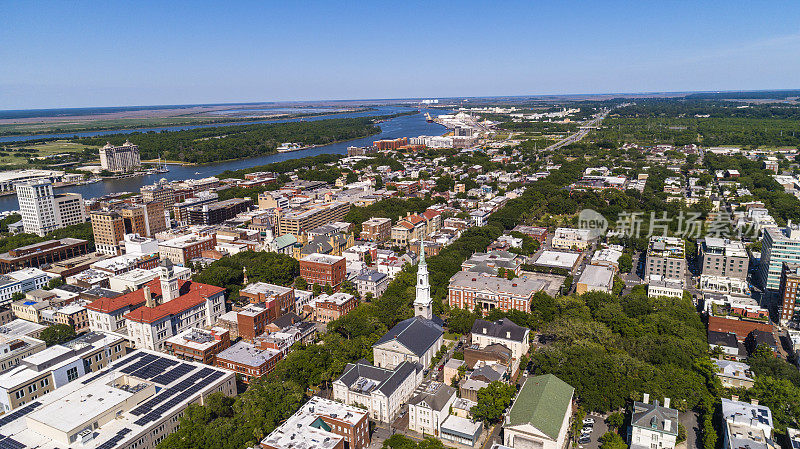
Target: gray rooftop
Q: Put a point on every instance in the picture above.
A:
(417, 334)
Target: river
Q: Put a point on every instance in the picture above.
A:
(405, 126)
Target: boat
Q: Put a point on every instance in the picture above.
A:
(197, 173)
(428, 117)
(161, 167)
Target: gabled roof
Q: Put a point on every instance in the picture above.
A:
(435, 395)
(542, 402)
(383, 380)
(417, 334)
(504, 328)
(655, 417)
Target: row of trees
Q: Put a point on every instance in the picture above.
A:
(213, 144)
(78, 231)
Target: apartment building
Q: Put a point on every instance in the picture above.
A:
(121, 158)
(180, 210)
(42, 211)
(504, 332)
(21, 281)
(323, 269)
(280, 300)
(376, 229)
(666, 257)
(428, 409)
(747, 425)
(16, 347)
(778, 245)
(44, 253)
(181, 250)
(723, 257)
(297, 222)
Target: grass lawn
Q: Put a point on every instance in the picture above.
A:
(9, 157)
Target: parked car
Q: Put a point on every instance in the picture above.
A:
(584, 440)
(588, 421)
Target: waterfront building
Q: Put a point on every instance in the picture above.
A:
(121, 158)
(43, 211)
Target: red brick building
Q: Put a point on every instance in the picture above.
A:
(323, 269)
(739, 327)
(326, 308)
(199, 345)
(376, 229)
(249, 360)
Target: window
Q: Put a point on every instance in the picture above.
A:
(72, 374)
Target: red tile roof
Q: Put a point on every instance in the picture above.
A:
(192, 294)
(430, 214)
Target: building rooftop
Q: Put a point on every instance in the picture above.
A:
(123, 397)
(416, 334)
(518, 287)
(655, 416)
(322, 258)
(672, 247)
(597, 276)
(247, 354)
(557, 259)
(542, 402)
(308, 429)
(503, 328)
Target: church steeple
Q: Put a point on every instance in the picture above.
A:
(423, 305)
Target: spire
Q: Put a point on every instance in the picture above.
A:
(423, 305)
(244, 281)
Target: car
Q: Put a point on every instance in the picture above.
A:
(584, 440)
(588, 421)
(586, 431)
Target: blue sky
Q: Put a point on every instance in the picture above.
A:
(76, 54)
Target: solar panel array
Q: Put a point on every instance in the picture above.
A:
(5, 419)
(170, 397)
(112, 442)
(10, 443)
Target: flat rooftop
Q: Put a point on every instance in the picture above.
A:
(557, 259)
(137, 391)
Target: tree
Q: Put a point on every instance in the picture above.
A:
(615, 421)
(328, 289)
(625, 263)
(367, 258)
(300, 283)
(17, 296)
(55, 282)
(316, 290)
(611, 440)
(493, 401)
(57, 334)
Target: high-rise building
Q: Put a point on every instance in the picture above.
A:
(43, 211)
(120, 158)
(144, 219)
(778, 246)
(108, 228)
(217, 212)
(298, 222)
(789, 307)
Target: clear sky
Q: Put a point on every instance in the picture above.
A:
(108, 53)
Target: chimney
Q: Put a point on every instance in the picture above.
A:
(754, 401)
(734, 398)
(646, 398)
(666, 402)
(148, 297)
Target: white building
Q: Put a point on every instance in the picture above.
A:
(43, 211)
(658, 286)
(116, 408)
(504, 332)
(120, 158)
(382, 391)
(570, 238)
(653, 425)
(539, 416)
(746, 425)
(778, 246)
(429, 408)
(22, 281)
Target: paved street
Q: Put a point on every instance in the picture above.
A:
(599, 429)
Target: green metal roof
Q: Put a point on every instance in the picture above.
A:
(543, 401)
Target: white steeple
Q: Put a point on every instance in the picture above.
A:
(423, 305)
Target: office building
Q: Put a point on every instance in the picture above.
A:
(135, 403)
(323, 269)
(145, 219)
(121, 158)
(21, 281)
(666, 257)
(14, 348)
(468, 290)
(570, 238)
(723, 257)
(181, 210)
(108, 228)
(181, 250)
(9, 179)
(778, 245)
(44, 253)
(43, 211)
(595, 278)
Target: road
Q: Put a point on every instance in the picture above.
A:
(583, 131)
